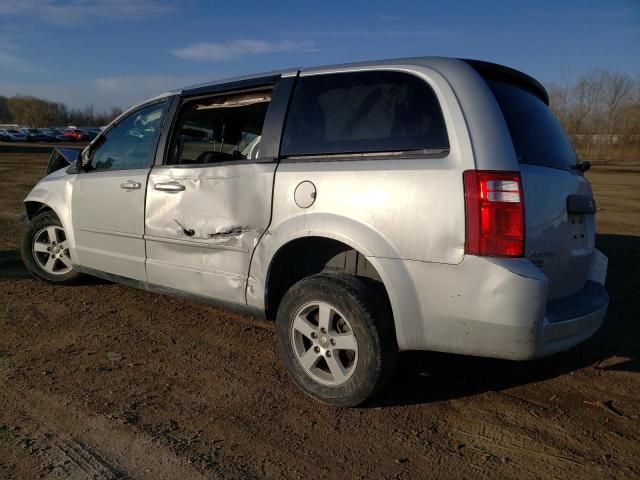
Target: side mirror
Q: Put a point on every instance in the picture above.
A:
(82, 161)
(85, 157)
(582, 166)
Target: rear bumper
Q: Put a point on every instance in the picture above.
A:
(490, 307)
(573, 319)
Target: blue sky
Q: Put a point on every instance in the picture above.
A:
(116, 52)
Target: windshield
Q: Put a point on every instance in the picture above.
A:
(537, 136)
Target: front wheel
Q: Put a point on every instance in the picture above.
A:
(45, 250)
(336, 338)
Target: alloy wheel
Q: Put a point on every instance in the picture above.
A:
(324, 343)
(51, 250)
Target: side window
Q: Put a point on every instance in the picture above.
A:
(132, 142)
(363, 112)
(219, 128)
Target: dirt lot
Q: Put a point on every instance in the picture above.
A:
(105, 381)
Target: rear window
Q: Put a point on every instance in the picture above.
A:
(537, 136)
(363, 112)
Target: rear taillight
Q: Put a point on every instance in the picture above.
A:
(495, 213)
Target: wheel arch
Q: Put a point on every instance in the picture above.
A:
(370, 244)
(305, 256)
(56, 200)
(33, 208)
(292, 262)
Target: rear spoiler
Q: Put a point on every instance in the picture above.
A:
(493, 71)
(62, 157)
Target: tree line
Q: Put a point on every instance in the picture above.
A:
(600, 110)
(36, 112)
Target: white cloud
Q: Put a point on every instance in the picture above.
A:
(69, 12)
(209, 51)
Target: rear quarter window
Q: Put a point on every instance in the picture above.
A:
(363, 112)
(537, 136)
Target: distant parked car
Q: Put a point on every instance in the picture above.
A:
(16, 135)
(26, 132)
(42, 135)
(58, 133)
(36, 135)
(72, 135)
(4, 136)
(54, 135)
(95, 132)
(89, 133)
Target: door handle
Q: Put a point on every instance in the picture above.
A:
(171, 187)
(130, 185)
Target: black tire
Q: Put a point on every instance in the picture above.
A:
(370, 319)
(37, 223)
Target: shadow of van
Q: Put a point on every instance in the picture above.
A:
(11, 266)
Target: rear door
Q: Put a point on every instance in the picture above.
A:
(209, 203)
(559, 205)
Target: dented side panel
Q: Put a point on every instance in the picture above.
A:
(200, 236)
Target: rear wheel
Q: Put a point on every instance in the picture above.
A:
(336, 339)
(45, 250)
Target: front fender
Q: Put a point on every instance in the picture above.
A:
(54, 192)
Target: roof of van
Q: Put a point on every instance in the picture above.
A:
(486, 69)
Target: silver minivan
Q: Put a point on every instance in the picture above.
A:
(370, 208)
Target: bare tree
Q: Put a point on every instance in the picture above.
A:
(28, 110)
(35, 112)
(5, 114)
(560, 97)
(601, 113)
(587, 95)
(617, 86)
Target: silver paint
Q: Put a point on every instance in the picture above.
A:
(108, 222)
(406, 215)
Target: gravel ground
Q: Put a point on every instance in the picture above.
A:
(105, 381)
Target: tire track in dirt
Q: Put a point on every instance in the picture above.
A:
(92, 446)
